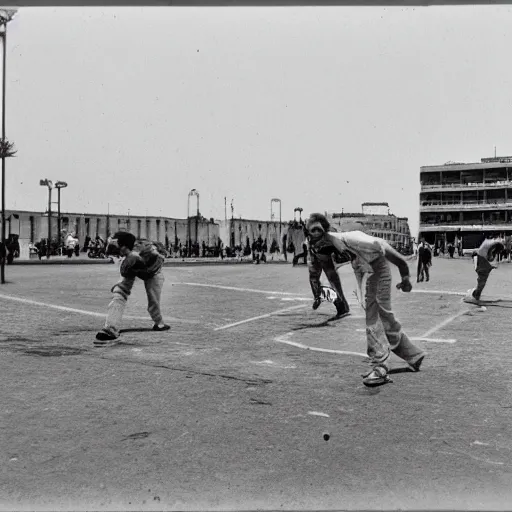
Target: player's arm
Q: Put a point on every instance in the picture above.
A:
(397, 259)
(132, 266)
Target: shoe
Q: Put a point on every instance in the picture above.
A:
(416, 365)
(164, 327)
(341, 308)
(377, 377)
(470, 297)
(103, 337)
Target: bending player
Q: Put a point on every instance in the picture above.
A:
(487, 252)
(146, 265)
(321, 258)
(370, 255)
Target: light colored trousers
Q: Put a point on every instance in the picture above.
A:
(121, 291)
(383, 331)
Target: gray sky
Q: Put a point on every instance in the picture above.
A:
(324, 108)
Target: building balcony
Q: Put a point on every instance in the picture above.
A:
(498, 204)
(466, 225)
(465, 186)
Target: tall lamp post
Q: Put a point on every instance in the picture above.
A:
(49, 184)
(58, 186)
(6, 148)
(193, 192)
(272, 201)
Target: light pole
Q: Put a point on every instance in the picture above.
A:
(58, 186)
(193, 192)
(49, 184)
(6, 15)
(272, 201)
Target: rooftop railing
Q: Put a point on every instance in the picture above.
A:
(467, 204)
(433, 186)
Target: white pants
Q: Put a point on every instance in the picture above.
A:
(121, 291)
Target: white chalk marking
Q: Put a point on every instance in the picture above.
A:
(444, 323)
(236, 289)
(275, 365)
(83, 311)
(228, 326)
(434, 340)
(284, 339)
(439, 292)
(480, 443)
(315, 413)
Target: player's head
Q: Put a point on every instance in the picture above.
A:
(317, 225)
(125, 240)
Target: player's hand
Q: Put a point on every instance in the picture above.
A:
(317, 302)
(405, 285)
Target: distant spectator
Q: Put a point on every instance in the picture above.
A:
(424, 261)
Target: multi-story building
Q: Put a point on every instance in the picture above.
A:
(466, 201)
(376, 219)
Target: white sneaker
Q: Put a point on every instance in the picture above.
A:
(469, 297)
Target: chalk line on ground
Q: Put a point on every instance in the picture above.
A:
(439, 292)
(84, 311)
(237, 289)
(284, 339)
(442, 324)
(259, 317)
(434, 340)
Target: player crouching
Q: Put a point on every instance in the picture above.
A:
(482, 258)
(146, 265)
(370, 255)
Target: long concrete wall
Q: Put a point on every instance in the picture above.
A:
(33, 226)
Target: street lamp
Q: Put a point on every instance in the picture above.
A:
(272, 201)
(58, 186)
(49, 184)
(193, 192)
(6, 148)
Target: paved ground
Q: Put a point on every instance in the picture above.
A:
(219, 416)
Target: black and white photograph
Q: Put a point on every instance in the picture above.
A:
(255, 257)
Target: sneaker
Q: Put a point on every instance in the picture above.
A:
(377, 377)
(470, 297)
(341, 308)
(163, 327)
(103, 337)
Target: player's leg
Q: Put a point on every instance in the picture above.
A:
(427, 275)
(154, 287)
(120, 293)
(481, 281)
(398, 341)
(315, 271)
(341, 303)
(377, 346)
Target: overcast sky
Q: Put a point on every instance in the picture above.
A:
(322, 107)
